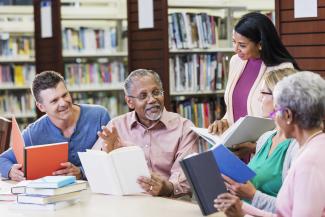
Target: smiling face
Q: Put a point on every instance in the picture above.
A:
(148, 110)
(56, 102)
(245, 48)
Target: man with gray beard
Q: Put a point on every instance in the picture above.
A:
(165, 137)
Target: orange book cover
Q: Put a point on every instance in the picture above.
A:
(43, 160)
(40, 160)
(17, 142)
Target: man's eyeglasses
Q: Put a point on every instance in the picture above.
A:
(144, 96)
(273, 114)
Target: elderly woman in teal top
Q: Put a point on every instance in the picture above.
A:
(273, 157)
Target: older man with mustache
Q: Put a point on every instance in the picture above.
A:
(165, 137)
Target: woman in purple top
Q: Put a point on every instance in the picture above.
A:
(258, 50)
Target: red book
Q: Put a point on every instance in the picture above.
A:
(40, 160)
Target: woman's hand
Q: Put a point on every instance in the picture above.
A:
(218, 126)
(229, 204)
(246, 191)
(244, 149)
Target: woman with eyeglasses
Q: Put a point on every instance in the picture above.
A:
(299, 102)
(258, 50)
(273, 157)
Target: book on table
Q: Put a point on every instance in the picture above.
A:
(44, 207)
(79, 185)
(52, 182)
(38, 160)
(203, 171)
(116, 172)
(245, 129)
(45, 199)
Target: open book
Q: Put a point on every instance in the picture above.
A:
(38, 160)
(117, 172)
(245, 129)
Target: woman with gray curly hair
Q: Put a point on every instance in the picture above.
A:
(299, 112)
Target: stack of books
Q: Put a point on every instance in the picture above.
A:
(49, 193)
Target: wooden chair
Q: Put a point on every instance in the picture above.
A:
(5, 130)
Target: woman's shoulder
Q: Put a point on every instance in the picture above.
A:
(280, 66)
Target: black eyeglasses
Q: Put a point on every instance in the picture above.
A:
(145, 96)
(266, 93)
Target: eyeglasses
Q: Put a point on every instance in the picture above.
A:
(144, 96)
(273, 114)
(265, 93)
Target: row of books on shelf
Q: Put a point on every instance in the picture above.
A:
(95, 73)
(190, 30)
(47, 193)
(200, 112)
(14, 45)
(18, 103)
(89, 39)
(115, 104)
(198, 72)
(16, 74)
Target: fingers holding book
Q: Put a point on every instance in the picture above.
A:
(16, 173)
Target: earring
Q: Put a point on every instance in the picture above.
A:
(288, 122)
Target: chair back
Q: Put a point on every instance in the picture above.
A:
(5, 131)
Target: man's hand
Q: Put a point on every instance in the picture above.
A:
(246, 191)
(218, 127)
(229, 204)
(16, 173)
(68, 170)
(156, 185)
(111, 139)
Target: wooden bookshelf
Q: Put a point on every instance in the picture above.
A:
(17, 61)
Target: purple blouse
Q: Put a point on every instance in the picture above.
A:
(243, 87)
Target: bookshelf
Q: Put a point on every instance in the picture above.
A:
(17, 62)
(94, 51)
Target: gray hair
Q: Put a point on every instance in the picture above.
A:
(304, 94)
(139, 73)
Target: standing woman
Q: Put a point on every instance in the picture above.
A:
(258, 50)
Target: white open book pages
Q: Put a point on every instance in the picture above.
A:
(245, 129)
(115, 173)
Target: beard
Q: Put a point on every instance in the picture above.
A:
(153, 112)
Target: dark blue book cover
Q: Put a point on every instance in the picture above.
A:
(205, 179)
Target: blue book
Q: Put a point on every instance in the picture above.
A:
(52, 182)
(230, 165)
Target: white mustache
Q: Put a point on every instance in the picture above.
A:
(153, 106)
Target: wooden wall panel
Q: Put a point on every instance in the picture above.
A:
(304, 37)
(148, 48)
(48, 51)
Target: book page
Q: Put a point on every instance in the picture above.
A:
(130, 164)
(100, 172)
(213, 139)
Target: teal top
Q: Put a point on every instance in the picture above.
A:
(268, 169)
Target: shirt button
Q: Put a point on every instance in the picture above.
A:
(147, 146)
(176, 191)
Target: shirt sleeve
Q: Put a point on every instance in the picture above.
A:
(188, 144)
(264, 201)
(309, 191)
(253, 211)
(7, 159)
